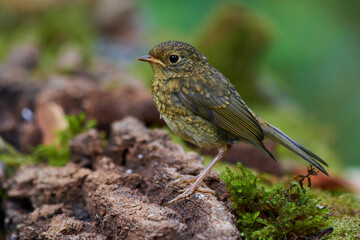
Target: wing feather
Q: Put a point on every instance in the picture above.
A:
(214, 98)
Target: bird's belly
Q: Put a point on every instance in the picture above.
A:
(196, 130)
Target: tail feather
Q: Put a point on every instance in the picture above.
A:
(266, 151)
(280, 137)
(313, 155)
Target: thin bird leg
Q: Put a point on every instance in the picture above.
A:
(198, 179)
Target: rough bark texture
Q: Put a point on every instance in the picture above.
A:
(117, 192)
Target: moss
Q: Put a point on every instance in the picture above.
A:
(345, 227)
(274, 213)
(345, 214)
(57, 154)
(341, 204)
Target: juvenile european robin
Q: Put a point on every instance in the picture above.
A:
(200, 105)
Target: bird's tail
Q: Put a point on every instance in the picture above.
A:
(280, 137)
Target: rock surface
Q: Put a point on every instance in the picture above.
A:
(117, 192)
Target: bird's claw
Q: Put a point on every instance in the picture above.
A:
(181, 179)
(189, 190)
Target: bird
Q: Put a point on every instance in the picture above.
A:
(200, 104)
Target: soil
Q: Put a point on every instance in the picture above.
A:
(117, 192)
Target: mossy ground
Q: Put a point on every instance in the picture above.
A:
(345, 214)
(56, 154)
(295, 212)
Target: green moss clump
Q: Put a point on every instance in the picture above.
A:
(274, 213)
(57, 154)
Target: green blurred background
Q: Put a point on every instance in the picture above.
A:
(296, 63)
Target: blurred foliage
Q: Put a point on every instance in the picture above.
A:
(53, 28)
(234, 40)
(274, 213)
(175, 20)
(57, 154)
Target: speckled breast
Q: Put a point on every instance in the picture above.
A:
(181, 120)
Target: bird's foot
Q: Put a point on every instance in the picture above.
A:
(195, 186)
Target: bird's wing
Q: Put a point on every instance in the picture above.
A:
(211, 96)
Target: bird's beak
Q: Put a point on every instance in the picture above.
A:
(150, 59)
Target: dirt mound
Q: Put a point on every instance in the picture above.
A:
(117, 192)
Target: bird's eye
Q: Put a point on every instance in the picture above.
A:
(174, 59)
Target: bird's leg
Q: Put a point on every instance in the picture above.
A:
(197, 180)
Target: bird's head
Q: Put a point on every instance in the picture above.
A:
(174, 59)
